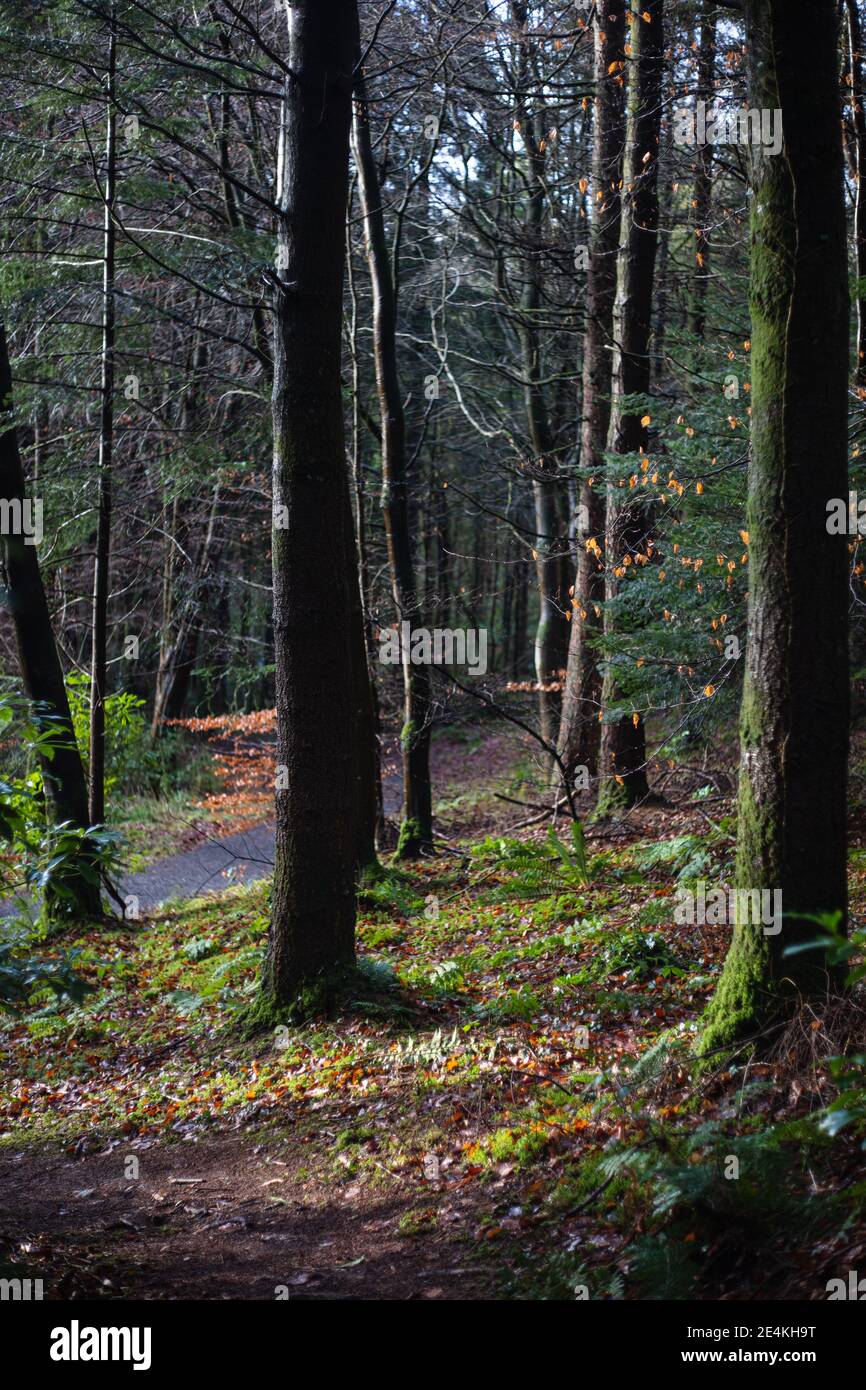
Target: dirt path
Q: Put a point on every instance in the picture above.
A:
(220, 1219)
(246, 1213)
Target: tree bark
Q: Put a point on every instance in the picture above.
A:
(703, 195)
(622, 770)
(794, 716)
(311, 940)
(371, 808)
(579, 729)
(416, 831)
(858, 108)
(180, 638)
(101, 567)
(41, 673)
(551, 633)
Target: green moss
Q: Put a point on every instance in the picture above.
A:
(355, 1134)
(417, 1223)
(744, 998)
(409, 841)
(314, 998)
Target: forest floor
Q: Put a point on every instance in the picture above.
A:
(505, 1109)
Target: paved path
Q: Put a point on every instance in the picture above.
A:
(211, 865)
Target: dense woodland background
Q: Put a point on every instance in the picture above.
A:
(322, 319)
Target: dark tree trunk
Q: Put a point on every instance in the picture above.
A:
(416, 831)
(180, 640)
(703, 195)
(101, 567)
(622, 768)
(858, 98)
(579, 729)
(311, 940)
(41, 672)
(794, 716)
(180, 612)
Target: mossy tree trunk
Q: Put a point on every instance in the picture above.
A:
(622, 762)
(579, 729)
(794, 718)
(311, 940)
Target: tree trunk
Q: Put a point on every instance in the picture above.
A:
(551, 633)
(42, 675)
(858, 98)
(794, 716)
(579, 729)
(180, 638)
(622, 770)
(703, 186)
(416, 831)
(311, 941)
(371, 806)
(99, 640)
(368, 776)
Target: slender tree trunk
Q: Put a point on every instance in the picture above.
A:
(178, 638)
(442, 547)
(101, 568)
(794, 716)
(41, 673)
(311, 941)
(579, 729)
(521, 619)
(703, 195)
(368, 776)
(416, 832)
(858, 108)
(663, 275)
(180, 642)
(623, 779)
(371, 807)
(551, 633)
